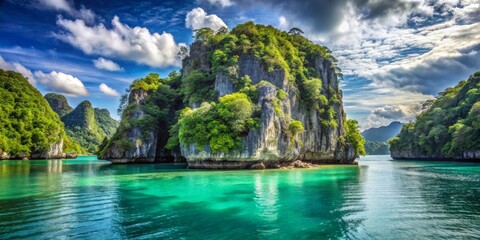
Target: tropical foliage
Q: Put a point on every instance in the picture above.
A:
(221, 126)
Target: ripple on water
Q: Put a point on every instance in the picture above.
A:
(379, 199)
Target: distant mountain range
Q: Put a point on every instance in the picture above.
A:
(377, 138)
(86, 125)
(382, 134)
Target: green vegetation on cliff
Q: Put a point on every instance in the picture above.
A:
(292, 53)
(160, 99)
(354, 137)
(58, 103)
(221, 126)
(27, 123)
(449, 127)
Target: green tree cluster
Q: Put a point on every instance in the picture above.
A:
(448, 127)
(58, 103)
(354, 137)
(220, 126)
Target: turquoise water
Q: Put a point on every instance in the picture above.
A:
(379, 199)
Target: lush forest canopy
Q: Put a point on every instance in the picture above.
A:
(160, 108)
(449, 126)
(58, 103)
(27, 123)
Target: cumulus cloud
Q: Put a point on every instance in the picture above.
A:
(62, 83)
(102, 63)
(197, 18)
(121, 41)
(389, 112)
(68, 7)
(386, 114)
(108, 90)
(18, 68)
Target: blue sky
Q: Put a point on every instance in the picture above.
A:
(394, 54)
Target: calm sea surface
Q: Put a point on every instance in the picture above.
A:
(379, 199)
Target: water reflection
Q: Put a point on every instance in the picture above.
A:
(266, 199)
(54, 166)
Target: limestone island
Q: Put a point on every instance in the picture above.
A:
(252, 97)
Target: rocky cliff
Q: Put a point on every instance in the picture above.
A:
(148, 112)
(448, 129)
(253, 96)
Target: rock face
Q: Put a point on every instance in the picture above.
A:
(270, 142)
(142, 150)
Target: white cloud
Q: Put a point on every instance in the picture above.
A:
(379, 49)
(68, 7)
(57, 4)
(102, 63)
(135, 44)
(282, 23)
(18, 68)
(386, 114)
(367, 103)
(62, 83)
(220, 3)
(108, 90)
(197, 18)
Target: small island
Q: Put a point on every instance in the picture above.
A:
(252, 97)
